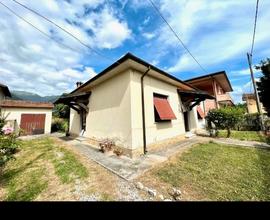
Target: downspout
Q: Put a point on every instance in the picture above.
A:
(143, 110)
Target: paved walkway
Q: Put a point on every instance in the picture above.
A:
(129, 169)
(231, 141)
(123, 166)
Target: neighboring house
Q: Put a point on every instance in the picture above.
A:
(31, 117)
(250, 100)
(4, 92)
(216, 84)
(134, 103)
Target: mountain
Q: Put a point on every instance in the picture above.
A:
(22, 95)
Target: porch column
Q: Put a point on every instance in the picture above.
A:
(214, 84)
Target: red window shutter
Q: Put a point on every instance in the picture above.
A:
(200, 112)
(164, 109)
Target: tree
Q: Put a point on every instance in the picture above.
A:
(61, 111)
(242, 105)
(264, 84)
(225, 118)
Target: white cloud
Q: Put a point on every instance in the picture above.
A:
(90, 71)
(244, 72)
(148, 36)
(32, 62)
(212, 31)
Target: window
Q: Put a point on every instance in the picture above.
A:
(162, 108)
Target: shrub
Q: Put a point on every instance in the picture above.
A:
(106, 145)
(267, 124)
(250, 122)
(8, 147)
(2, 121)
(59, 125)
(61, 111)
(224, 118)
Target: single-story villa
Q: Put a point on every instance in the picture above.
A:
(27, 117)
(134, 103)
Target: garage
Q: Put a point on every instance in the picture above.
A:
(28, 118)
(33, 123)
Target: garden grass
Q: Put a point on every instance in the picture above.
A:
(245, 136)
(220, 172)
(26, 177)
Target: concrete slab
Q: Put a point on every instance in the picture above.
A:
(123, 166)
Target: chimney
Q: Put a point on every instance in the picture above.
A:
(78, 84)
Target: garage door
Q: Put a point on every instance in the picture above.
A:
(33, 123)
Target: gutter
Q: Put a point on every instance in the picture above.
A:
(143, 110)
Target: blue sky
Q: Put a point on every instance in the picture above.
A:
(218, 33)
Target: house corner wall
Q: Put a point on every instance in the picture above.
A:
(155, 132)
(74, 122)
(109, 113)
(193, 119)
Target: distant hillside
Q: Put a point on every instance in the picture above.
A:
(22, 95)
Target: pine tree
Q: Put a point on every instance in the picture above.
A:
(264, 84)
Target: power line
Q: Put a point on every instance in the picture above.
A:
(255, 25)
(63, 29)
(42, 32)
(175, 34)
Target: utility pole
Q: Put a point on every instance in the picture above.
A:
(249, 57)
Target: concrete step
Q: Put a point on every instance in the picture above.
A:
(190, 135)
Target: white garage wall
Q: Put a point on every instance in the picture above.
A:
(15, 114)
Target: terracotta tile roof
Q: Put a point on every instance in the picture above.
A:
(25, 104)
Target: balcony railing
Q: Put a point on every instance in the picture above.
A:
(224, 97)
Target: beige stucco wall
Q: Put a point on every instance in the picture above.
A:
(252, 106)
(154, 131)
(115, 112)
(15, 114)
(74, 124)
(193, 119)
(109, 111)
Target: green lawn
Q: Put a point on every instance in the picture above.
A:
(37, 162)
(246, 135)
(220, 172)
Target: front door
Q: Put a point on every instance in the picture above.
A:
(186, 121)
(83, 120)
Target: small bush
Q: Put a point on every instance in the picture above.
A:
(225, 118)
(106, 145)
(3, 118)
(267, 124)
(8, 147)
(250, 122)
(59, 125)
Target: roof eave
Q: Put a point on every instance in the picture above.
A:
(138, 60)
(212, 75)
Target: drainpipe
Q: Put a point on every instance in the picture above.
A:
(143, 111)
